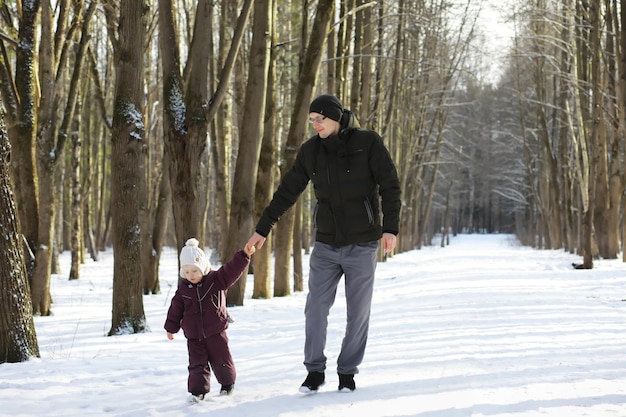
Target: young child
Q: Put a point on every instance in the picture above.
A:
(199, 308)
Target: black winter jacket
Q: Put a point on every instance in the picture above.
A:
(349, 172)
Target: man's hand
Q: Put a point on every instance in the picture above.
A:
(256, 240)
(389, 242)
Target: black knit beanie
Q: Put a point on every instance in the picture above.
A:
(327, 105)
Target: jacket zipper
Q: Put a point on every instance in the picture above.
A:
(370, 212)
(200, 305)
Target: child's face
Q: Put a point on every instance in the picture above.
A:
(192, 273)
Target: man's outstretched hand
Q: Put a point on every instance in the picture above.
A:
(257, 241)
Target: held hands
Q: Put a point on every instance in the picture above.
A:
(249, 249)
(389, 242)
(256, 241)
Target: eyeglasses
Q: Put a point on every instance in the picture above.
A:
(317, 120)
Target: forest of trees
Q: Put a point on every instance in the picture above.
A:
(134, 125)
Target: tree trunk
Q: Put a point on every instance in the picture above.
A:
(183, 162)
(18, 340)
(221, 139)
(445, 229)
(51, 144)
(242, 202)
(151, 283)
(196, 80)
(615, 186)
(76, 217)
(46, 130)
(127, 184)
(604, 230)
(221, 142)
(20, 105)
(188, 111)
(262, 258)
(564, 173)
(593, 126)
(154, 174)
(297, 132)
(357, 69)
(298, 274)
(622, 105)
(367, 50)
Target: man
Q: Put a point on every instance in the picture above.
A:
(351, 171)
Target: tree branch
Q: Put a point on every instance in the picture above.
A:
(224, 76)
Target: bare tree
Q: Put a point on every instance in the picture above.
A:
(53, 128)
(297, 130)
(609, 188)
(156, 207)
(242, 201)
(594, 127)
(265, 177)
(221, 139)
(189, 110)
(127, 181)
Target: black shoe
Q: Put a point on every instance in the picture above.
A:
(313, 381)
(227, 389)
(346, 382)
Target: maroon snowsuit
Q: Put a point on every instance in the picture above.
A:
(200, 310)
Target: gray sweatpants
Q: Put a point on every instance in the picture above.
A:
(357, 263)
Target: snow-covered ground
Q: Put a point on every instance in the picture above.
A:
(482, 327)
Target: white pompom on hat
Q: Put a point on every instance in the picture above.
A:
(191, 254)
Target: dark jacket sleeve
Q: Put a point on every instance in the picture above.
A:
(386, 175)
(231, 271)
(291, 186)
(174, 314)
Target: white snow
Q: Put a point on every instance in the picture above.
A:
(482, 327)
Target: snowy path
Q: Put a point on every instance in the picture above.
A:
(481, 328)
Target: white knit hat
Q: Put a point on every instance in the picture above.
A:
(191, 254)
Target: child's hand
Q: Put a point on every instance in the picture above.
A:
(170, 336)
(249, 249)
